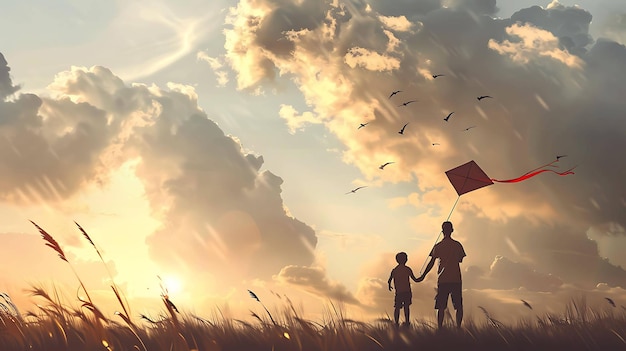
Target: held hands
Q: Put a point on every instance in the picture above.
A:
(419, 279)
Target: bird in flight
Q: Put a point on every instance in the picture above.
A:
(363, 125)
(447, 118)
(438, 75)
(406, 103)
(355, 190)
(468, 128)
(484, 97)
(527, 304)
(436, 144)
(385, 165)
(394, 93)
(610, 301)
(402, 130)
(559, 156)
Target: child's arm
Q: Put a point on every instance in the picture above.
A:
(389, 281)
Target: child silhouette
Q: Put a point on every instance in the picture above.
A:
(400, 276)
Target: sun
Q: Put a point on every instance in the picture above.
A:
(172, 284)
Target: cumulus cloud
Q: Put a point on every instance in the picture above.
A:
(52, 147)
(221, 214)
(556, 92)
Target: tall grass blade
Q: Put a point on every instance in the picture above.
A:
(50, 242)
(254, 296)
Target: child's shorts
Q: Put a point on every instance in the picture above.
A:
(402, 299)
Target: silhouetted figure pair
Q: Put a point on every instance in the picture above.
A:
(450, 254)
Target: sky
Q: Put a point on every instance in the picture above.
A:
(209, 148)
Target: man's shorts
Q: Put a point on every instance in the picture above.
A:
(451, 289)
(402, 299)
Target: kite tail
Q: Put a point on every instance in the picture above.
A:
(551, 164)
(532, 174)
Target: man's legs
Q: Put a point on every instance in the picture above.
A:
(457, 301)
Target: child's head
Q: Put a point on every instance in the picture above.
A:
(401, 257)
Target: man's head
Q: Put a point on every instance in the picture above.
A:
(447, 228)
(401, 257)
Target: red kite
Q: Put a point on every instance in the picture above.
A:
(468, 177)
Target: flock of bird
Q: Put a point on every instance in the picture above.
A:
(402, 130)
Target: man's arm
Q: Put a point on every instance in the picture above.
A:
(389, 281)
(429, 266)
(413, 276)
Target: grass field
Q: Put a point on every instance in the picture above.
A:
(57, 325)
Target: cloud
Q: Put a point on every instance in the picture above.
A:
(533, 43)
(6, 85)
(222, 216)
(370, 60)
(216, 65)
(568, 23)
(486, 7)
(506, 274)
(315, 280)
(615, 28)
(296, 121)
(399, 23)
(53, 147)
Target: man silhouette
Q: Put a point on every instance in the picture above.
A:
(450, 253)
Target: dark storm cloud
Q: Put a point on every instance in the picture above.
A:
(556, 90)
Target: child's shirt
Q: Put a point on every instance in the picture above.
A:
(400, 275)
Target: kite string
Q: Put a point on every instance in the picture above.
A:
(436, 240)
